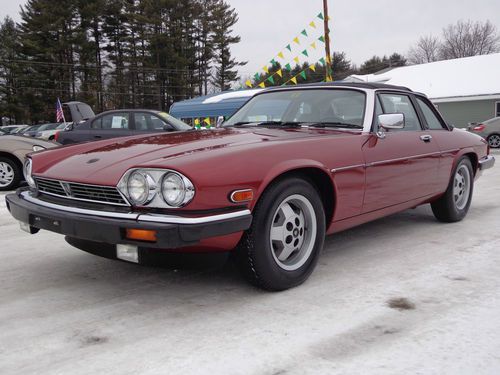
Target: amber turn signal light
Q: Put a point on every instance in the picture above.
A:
(141, 235)
(240, 196)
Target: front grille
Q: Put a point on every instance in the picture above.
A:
(83, 192)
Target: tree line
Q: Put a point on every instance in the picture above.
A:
(114, 54)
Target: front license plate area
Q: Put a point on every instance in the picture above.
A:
(45, 223)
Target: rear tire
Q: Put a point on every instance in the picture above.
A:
(10, 174)
(494, 140)
(454, 204)
(281, 248)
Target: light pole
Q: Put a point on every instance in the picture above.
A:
(328, 65)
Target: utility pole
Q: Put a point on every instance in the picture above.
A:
(328, 65)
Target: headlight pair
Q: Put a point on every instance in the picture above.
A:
(156, 187)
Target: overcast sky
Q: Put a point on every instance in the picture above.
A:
(359, 28)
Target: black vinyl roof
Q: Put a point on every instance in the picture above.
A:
(361, 85)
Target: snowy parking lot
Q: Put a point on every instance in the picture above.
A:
(404, 294)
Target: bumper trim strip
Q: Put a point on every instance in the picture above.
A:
(144, 218)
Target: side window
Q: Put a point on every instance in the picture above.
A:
(147, 121)
(115, 121)
(430, 117)
(396, 103)
(497, 105)
(97, 123)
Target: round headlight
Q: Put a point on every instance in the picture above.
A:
(173, 189)
(140, 187)
(27, 170)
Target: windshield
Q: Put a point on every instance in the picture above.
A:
(180, 125)
(2, 132)
(327, 107)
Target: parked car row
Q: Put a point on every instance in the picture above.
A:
(292, 165)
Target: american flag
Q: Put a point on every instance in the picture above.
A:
(59, 112)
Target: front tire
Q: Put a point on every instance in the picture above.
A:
(10, 174)
(281, 248)
(454, 204)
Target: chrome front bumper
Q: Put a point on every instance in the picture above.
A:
(486, 163)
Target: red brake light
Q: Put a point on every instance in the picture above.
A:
(479, 128)
(56, 136)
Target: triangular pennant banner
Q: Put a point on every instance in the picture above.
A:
(257, 76)
(321, 39)
(281, 56)
(296, 40)
(312, 24)
(265, 69)
(248, 83)
(320, 16)
(196, 122)
(280, 73)
(304, 32)
(294, 80)
(271, 79)
(273, 62)
(312, 67)
(313, 45)
(289, 47)
(322, 61)
(304, 52)
(207, 120)
(288, 67)
(296, 59)
(262, 84)
(303, 74)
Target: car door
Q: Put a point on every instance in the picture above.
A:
(401, 165)
(147, 122)
(111, 125)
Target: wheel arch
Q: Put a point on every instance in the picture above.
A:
(317, 175)
(14, 158)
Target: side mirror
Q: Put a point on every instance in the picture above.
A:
(392, 121)
(220, 121)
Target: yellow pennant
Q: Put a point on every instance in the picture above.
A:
(280, 73)
(197, 121)
(248, 83)
(312, 67)
(281, 56)
(296, 40)
(265, 69)
(312, 24)
(207, 120)
(294, 80)
(313, 45)
(262, 84)
(328, 79)
(296, 59)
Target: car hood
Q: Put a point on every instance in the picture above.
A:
(11, 143)
(102, 161)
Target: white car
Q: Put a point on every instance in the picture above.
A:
(50, 132)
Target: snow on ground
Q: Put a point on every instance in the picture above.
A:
(64, 311)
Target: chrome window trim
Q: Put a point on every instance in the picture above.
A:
(144, 218)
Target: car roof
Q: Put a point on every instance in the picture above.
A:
(362, 85)
(129, 110)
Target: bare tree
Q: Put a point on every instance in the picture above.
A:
(425, 51)
(467, 38)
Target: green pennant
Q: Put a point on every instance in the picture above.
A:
(322, 39)
(271, 79)
(304, 32)
(304, 52)
(320, 16)
(289, 47)
(322, 61)
(288, 67)
(303, 74)
(257, 77)
(273, 62)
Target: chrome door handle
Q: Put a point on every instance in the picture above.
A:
(426, 138)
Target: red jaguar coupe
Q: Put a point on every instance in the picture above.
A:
(293, 164)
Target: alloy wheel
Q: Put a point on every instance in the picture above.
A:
(6, 174)
(461, 187)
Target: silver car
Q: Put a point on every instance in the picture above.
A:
(13, 151)
(489, 130)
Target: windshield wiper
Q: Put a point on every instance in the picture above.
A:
(335, 125)
(266, 123)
